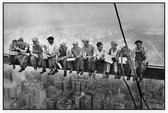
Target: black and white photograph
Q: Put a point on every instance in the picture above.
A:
(83, 56)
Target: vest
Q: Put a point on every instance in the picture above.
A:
(113, 53)
(62, 52)
(140, 56)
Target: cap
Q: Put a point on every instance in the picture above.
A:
(35, 39)
(138, 41)
(20, 39)
(50, 38)
(112, 42)
(75, 43)
(85, 40)
(63, 43)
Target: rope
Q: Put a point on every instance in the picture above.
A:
(129, 58)
(127, 83)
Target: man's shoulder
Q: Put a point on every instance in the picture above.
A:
(27, 44)
(91, 46)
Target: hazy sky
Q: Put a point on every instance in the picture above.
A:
(140, 21)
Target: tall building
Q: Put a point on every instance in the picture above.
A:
(86, 102)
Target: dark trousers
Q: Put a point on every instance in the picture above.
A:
(74, 65)
(23, 60)
(36, 61)
(91, 64)
(12, 59)
(51, 63)
(100, 61)
(127, 69)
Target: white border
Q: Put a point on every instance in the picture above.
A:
(76, 111)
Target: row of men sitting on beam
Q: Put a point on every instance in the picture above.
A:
(39, 55)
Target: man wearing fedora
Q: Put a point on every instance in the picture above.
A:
(36, 53)
(51, 55)
(23, 54)
(88, 56)
(75, 53)
(140, 59)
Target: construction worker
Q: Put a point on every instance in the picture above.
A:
(75, 53)
(123, 55)
(36, 53)
(13, 53)
(63, 55)
(87, 54)
(113, 52)
(99, 55)
(23, 54)
(140, 59)
(50, 54)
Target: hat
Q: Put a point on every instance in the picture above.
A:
(75, 43)
(50, 38)
(63, 43)
(112, 42)
(20, 39)
(138, 41)
(14, 40)
(35, 39)
(85, 40)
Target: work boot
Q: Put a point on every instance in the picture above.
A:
(81, 73)
(42, 71)
(65, 73)
(78, 72)
(107, 76)
(70, 71)
(35, 68)
(53, 72)
(115, 76)
(22, 69)
(128, 78)
(14, 66)
(118, 76)
(50, 72)
(90, 73)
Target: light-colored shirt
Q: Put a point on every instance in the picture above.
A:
(99, 54)
(113, 53)
(52, 49)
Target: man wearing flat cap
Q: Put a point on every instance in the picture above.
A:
(36, 53)
(87, 54)
(63, 55)
(113, 53)
(23, 54)
(75, 53)
(140, 59)
(50, 53)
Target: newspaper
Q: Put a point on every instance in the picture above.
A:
(108, 59)
(124, 59)
(71, 59)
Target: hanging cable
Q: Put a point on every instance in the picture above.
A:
(127, 83)
(129, 58)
